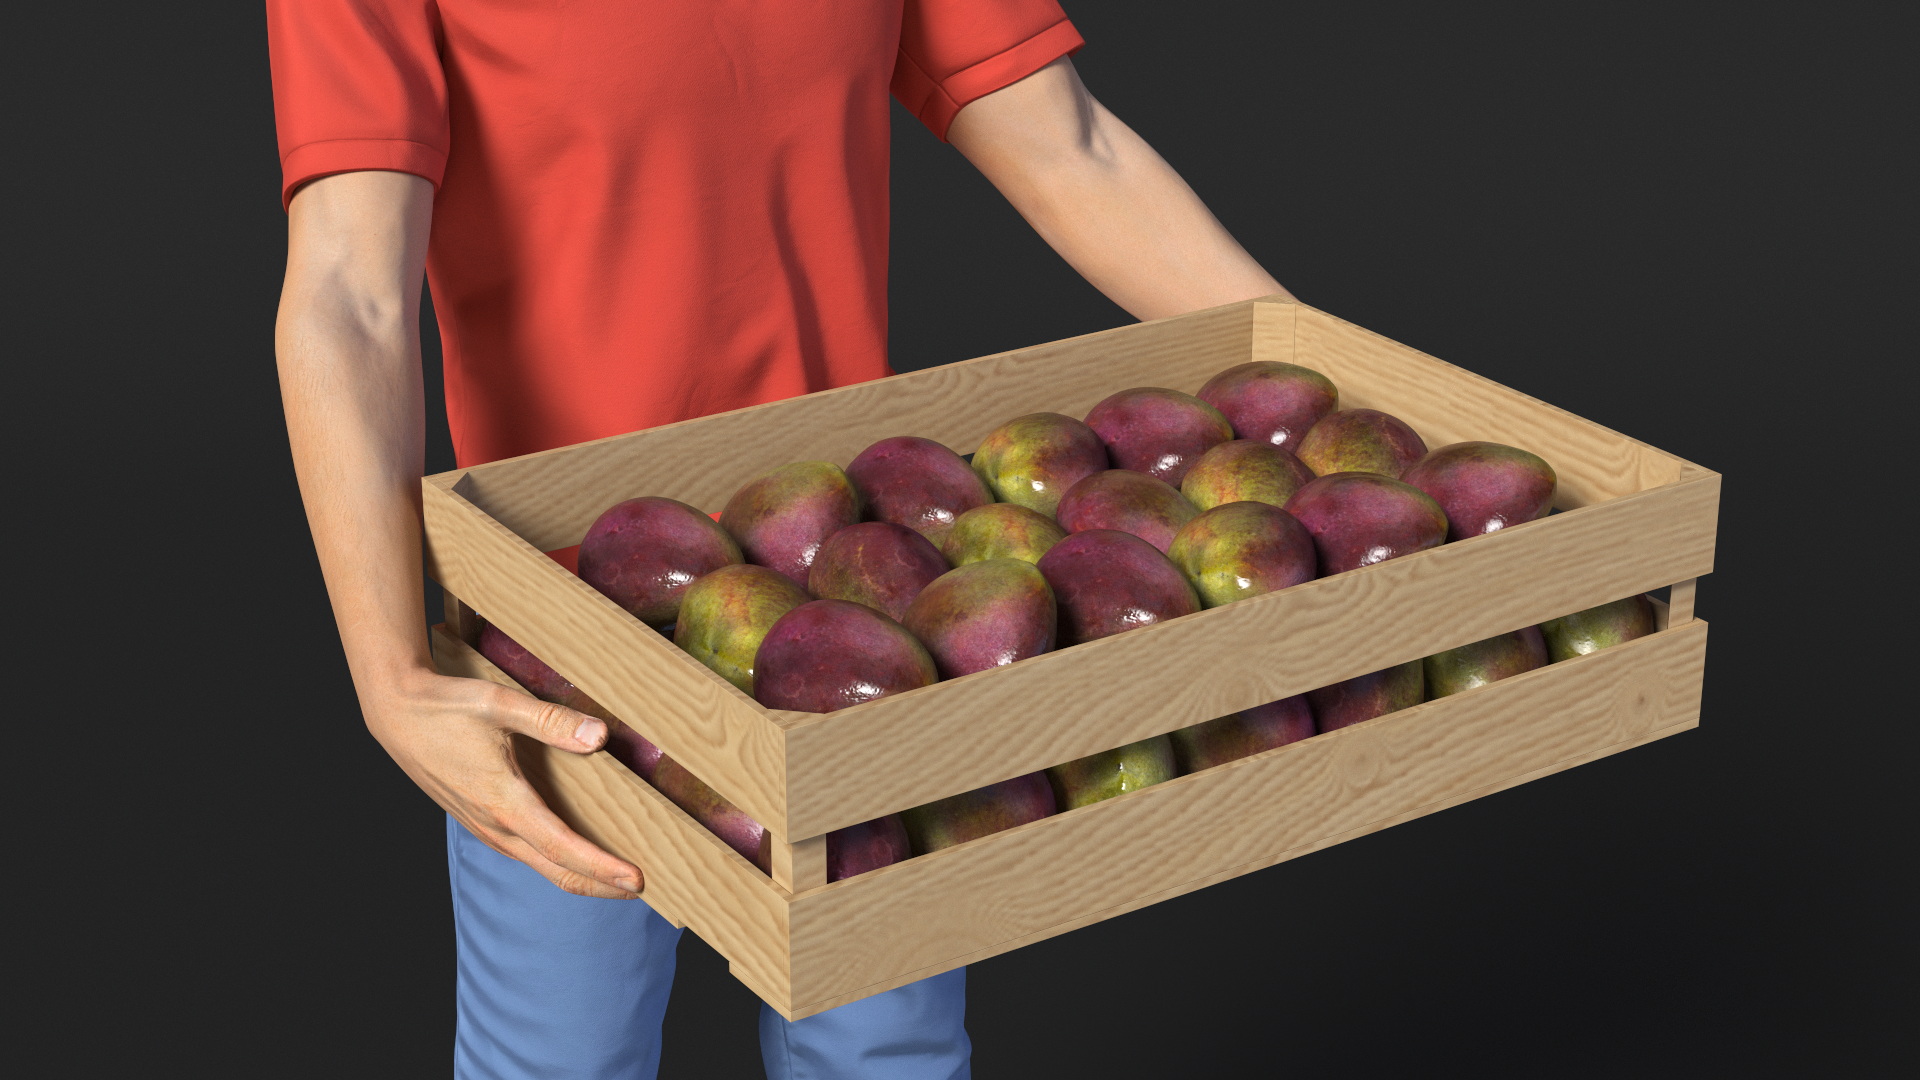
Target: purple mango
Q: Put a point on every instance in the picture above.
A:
(917, 483)
(1271, 402)
(1243, 549)
(782, 517)
(643, 553)
(1129, 501)
(1243, 734)
(1157, 431)
(1360, 440)
(869, 845)
(1482, 662)
(1241, 471)
(1484, 486)
(1032, 460)
(531, 672)
(1364, 697)
(876, 563)
(980, 812)
(983, 615)
(1358, 519)
(829, 654)
(711, 809)
(1106, 582)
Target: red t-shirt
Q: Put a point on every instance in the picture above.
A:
(644, 212)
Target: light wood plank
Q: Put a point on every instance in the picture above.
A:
(960, 904)
(720, 734)
(550, 498)
(692, 877)
(1273, 332)
(1681, 604)
(1445, 404)
(801, 865)
(462, 621)
(896, 752)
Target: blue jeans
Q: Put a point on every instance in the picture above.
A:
(552, 985)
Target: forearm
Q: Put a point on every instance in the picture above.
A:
(347, 341)
(1104, 199)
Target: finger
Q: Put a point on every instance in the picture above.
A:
(568, 881)
(555, 725)
(546, 836)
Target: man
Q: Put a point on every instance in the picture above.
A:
(632, 214)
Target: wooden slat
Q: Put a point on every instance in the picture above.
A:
(720, 734)
(462, 621)
(1448, 404)
(939, 911)
(1681, 604)
(897, 752)
(692, 877)
(799, 866)
(1273, 332)
(551, 498)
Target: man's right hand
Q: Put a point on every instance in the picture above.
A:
(454, 737)
(348, 344)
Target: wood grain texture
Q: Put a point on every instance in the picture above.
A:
(896, 752)
(550, 498)
(1681, 604)
(1448, 404)
(693, 878)
(720, 734)
(938, 911)
(799, 866)
(1273, 331)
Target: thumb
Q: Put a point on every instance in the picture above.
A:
(555, 725)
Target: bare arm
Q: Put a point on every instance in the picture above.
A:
(1103, 198)
(349, 354)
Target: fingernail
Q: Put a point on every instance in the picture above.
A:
(589, 732)
(631, 884)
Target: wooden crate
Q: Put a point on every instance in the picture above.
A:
(1633, 519)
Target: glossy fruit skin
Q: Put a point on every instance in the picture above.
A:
(1107, 582)
(918, 483)
(1361, 440)
(725, 614)
(983, 615)
(869, 845)
(1498, 657)
(1243, 549)
(1129, 501)
(781, 518)
(1097, 777)
(1271, 402)
(1032, 460)
(876, 563)
(980, 812)
(829, 654)
(1157, 431)
(1001, 531)
(643, 553)
(1243, 734)
(1484, 486)
(523, 667)
(1366, 696)
(1244, 470)
(1598, 628)
(1358, 519)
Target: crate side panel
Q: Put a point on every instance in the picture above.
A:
(704, 722)
(552, 497)
(893, 753)
(1448, 404)
(1024, 884)
(1273, 331)
(692, 877)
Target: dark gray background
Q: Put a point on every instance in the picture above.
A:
(1675, 219)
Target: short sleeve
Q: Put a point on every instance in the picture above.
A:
(955, 51)
(357, 84)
